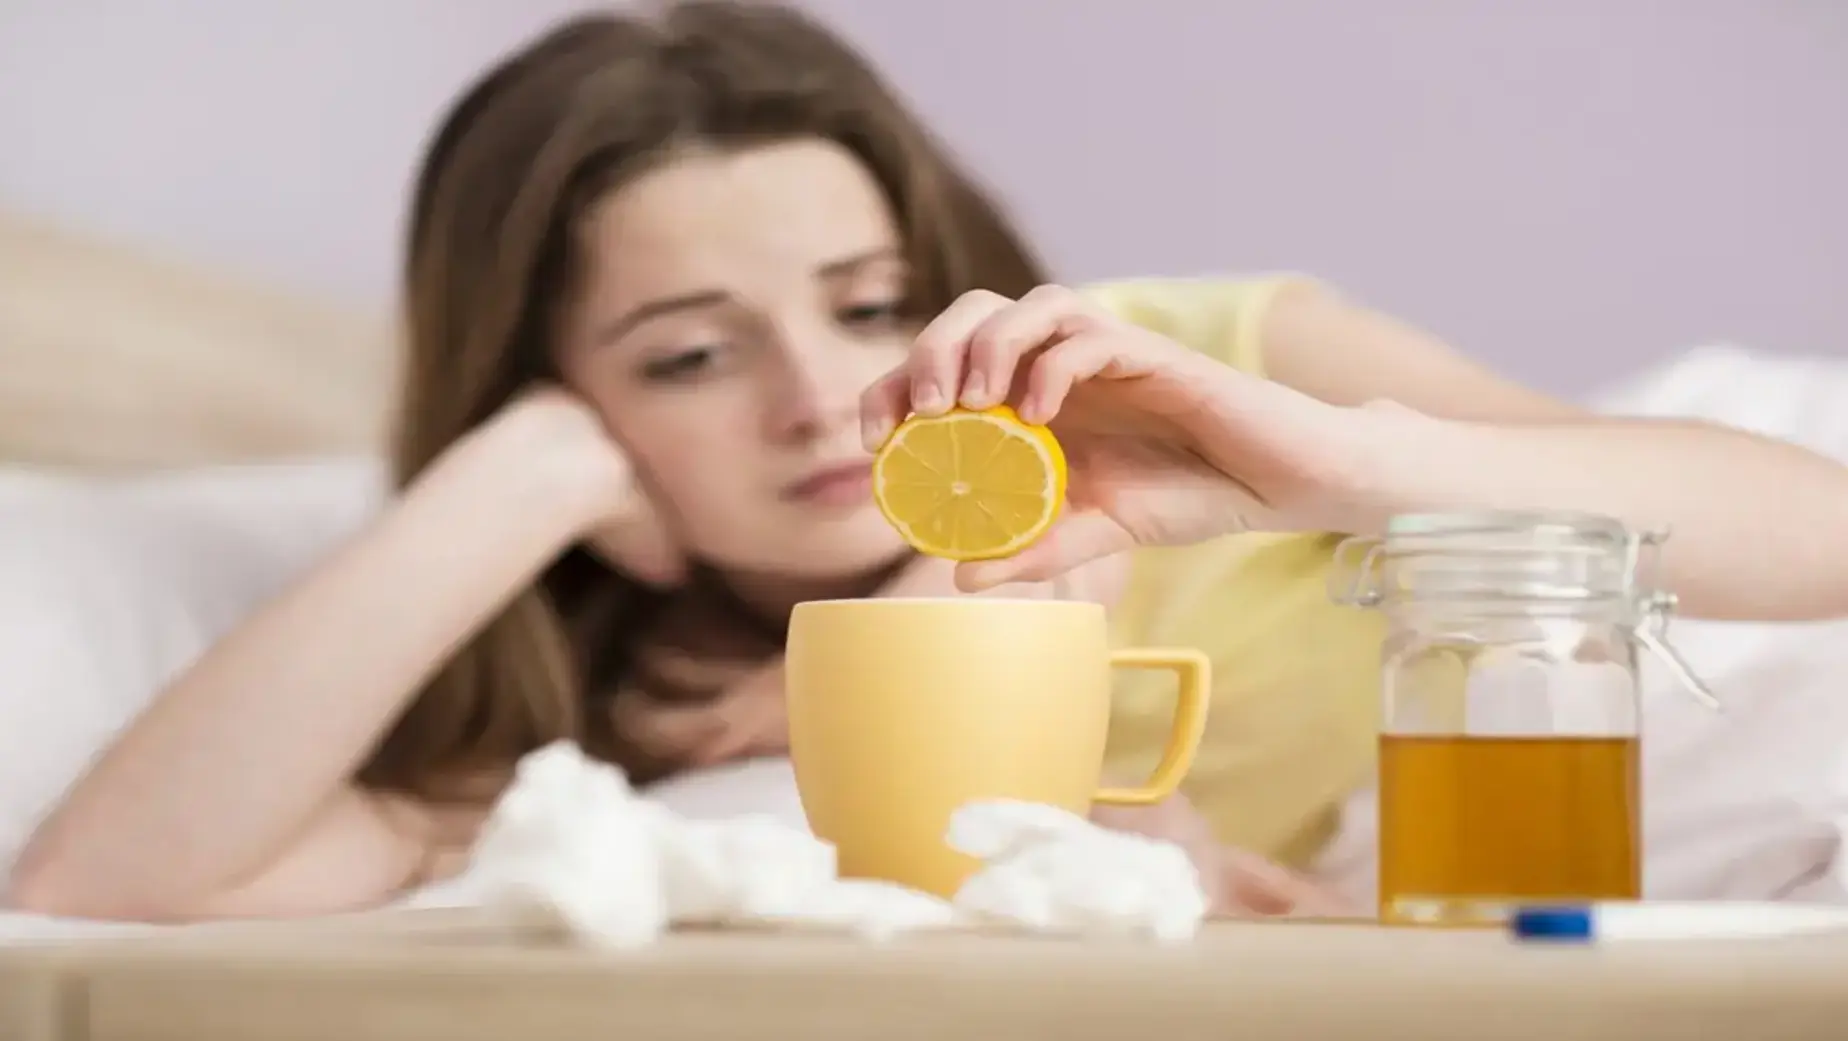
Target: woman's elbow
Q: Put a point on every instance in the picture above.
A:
(44, 883)
(61, 873)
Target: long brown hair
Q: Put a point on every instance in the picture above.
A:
(492, 255)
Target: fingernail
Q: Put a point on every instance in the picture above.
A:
(973, 578)
(873, 434)
(975, 391)
(928, 399)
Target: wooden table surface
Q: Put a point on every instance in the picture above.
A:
(453, 979)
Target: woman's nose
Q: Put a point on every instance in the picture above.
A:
(819, 394)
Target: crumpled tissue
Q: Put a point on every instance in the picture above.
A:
(1049, 871)
(571, 836)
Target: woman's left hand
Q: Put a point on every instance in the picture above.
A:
(1164, 445)
(1238, 884)
(745, 721)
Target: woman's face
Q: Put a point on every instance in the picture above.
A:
(735, 305)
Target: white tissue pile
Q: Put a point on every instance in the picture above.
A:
(572, 837)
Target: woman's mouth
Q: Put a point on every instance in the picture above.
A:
(835, 485)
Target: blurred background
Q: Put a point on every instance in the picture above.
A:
(1567, 188)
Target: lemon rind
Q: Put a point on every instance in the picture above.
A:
(1054, 497)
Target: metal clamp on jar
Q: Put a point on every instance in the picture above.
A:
(1511, 696)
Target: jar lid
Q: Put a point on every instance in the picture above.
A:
(1531, 559)
(1498, 522)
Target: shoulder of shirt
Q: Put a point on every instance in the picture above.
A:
(1218, 315)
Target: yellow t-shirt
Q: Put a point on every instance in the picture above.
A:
(1291, 730)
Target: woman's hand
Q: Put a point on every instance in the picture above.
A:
(552, 428)
(1238, 884)
(1165, 445)
(749, 719)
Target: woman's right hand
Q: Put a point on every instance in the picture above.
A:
(1166, 445)
(552, 428)
(167, 824)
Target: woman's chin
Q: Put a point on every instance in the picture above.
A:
(851, 566)
(853, 557)
(848, 547)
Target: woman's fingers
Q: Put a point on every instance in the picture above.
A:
(883, 406)
(1251, 885)
(937, 362)
(930, 380)
(996, 347)
(752, 717)
(1063, 366)
(666, 730)
(986, 349)
(1075, 539)
(747, 719)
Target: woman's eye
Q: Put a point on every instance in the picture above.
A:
(868, 316)
(683, 365)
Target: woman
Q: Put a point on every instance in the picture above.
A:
(701, 238)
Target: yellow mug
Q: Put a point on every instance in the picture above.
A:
(901, 711)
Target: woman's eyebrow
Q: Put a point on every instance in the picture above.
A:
(653, 309)
(851, 264)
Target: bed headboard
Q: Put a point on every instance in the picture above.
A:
(113, 359)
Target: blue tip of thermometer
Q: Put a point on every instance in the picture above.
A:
(1662, 920)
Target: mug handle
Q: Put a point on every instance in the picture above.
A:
(1194, 672)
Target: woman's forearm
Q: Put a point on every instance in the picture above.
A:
(221, 773)
(1758, 528)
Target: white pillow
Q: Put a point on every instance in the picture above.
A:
(109, 586)
(1795, 398)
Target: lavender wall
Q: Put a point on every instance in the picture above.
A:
(1569, 188)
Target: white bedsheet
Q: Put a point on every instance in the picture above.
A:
(17, 928)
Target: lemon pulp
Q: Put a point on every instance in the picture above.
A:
(970, 485)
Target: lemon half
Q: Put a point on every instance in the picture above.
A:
(970, 485)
